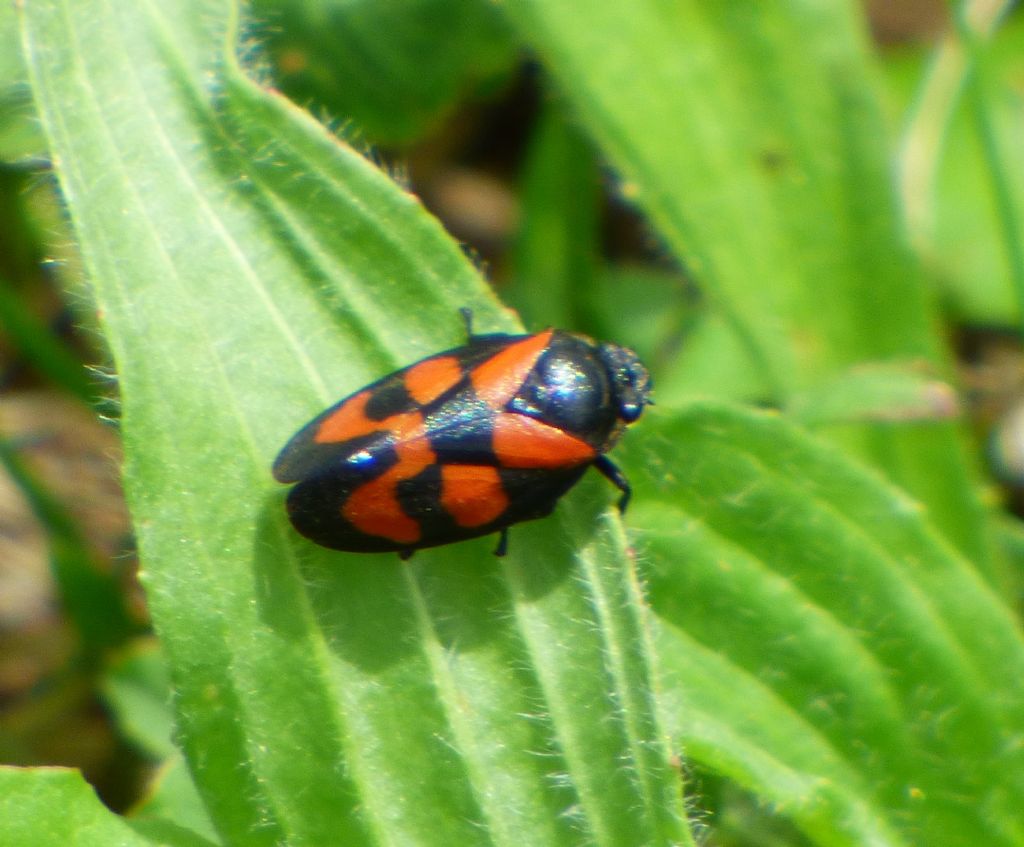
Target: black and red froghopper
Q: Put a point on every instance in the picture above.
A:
(463, 443)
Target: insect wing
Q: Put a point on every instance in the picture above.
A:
(339, 431)
(356, 422)
(480, 499)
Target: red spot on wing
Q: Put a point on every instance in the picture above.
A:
(373, 508)
(472, 494)
(347, 421)
(522, 442)
(497, 380)
(429, 379)
(350, 421)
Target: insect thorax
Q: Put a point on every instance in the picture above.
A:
(571, 389)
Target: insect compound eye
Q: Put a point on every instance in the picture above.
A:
(568, 389)
(631, 384)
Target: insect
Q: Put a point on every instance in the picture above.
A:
(463, 443)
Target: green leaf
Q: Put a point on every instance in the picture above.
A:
(819, 642)
(877, 391)
(952, 211)
(776, 192)
(137, 687)
(648, 310)
(555, 255)
(53, 807)
(12, 71)
(251, 269)
(377, 63)
(19, 130)
(171, 800)
(710, 362)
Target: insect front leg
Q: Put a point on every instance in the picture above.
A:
(502, 547)
(467, 319)
(617, 478)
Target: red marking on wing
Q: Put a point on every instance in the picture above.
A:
(429, 379)
(350, 421)
(522, 442)
(472, 494)
(497, 380)
(373, 508)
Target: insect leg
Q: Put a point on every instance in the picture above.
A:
(467, 319)
(502, 547)
(617, 478)
(405, 555)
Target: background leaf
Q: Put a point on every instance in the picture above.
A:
(557, 244)
(52, 806)
(948, 191)
(393, 89)
(821, 643)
